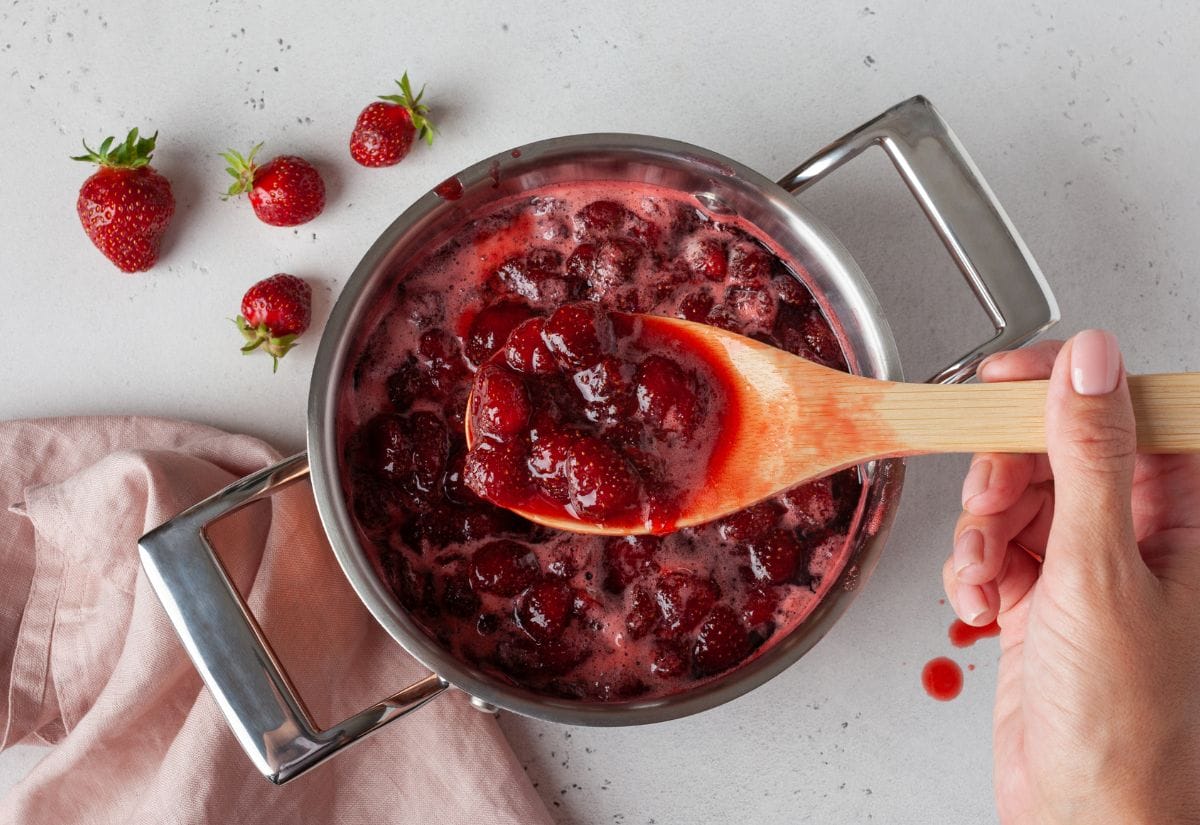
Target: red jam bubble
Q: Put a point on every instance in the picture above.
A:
(965, 635)
(942, 678)
(590, 415)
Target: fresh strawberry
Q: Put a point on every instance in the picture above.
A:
(125, 206)
(286, 191)
(275, 311)
(384, 131)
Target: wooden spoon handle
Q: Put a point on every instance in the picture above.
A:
(1010, 417)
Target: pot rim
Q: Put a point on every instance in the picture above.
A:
(853, 300)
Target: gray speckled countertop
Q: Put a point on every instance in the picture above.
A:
(1081, 115)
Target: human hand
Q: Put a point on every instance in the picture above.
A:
(1097, 715)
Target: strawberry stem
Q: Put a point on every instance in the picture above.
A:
(133, 153)
(242, 169)
(417, 110)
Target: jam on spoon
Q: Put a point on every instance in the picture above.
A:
(595, 416)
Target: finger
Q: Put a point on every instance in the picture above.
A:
(995, 482)
(1036, 533)
(974, 604)
(979, 604)
(981, 542)
(1025, 364)
(1090, 440)
(1170, 488)
(1041, 469)
(1018, 576)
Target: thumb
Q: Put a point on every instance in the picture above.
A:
(1091, 442)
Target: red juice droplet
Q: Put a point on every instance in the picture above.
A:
(450, 189)
(516, 153)
(970, 667)
(964, 635)
(942, 678)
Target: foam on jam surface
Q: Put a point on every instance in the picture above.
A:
(584, 617)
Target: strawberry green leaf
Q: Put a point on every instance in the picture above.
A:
(279, 347)
(132, 153)
(417, 111)
(242, 169)
(254, 335)
(261, 338)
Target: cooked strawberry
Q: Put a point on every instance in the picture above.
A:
(774, 558)
(666, 397)
(548, 462)
(500, 408)
(544, 609)
(759, 606)
(503, 567)
(525, 350)
(275, 311)
(813, 504)
(643, 613)
(126, 205)
(499, 472)
(491, 328)
(578, 334)
(751, 523)
(706, 257)
(286, 191)
(600, 481)
(628, 558)
(721, 643)
(684, 597)
(385, 130)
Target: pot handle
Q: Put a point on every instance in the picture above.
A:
(228, 648)
(964, 213)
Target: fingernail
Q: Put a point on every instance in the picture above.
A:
(1095, 362)
(977, 480)
(968, 550)
(971, 603)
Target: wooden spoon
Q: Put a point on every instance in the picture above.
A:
(791, 420)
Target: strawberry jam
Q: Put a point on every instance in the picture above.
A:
(581, 412)
(627, 415)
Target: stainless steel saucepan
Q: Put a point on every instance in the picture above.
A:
(225, 642)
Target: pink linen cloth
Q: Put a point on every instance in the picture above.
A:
(94, 669)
